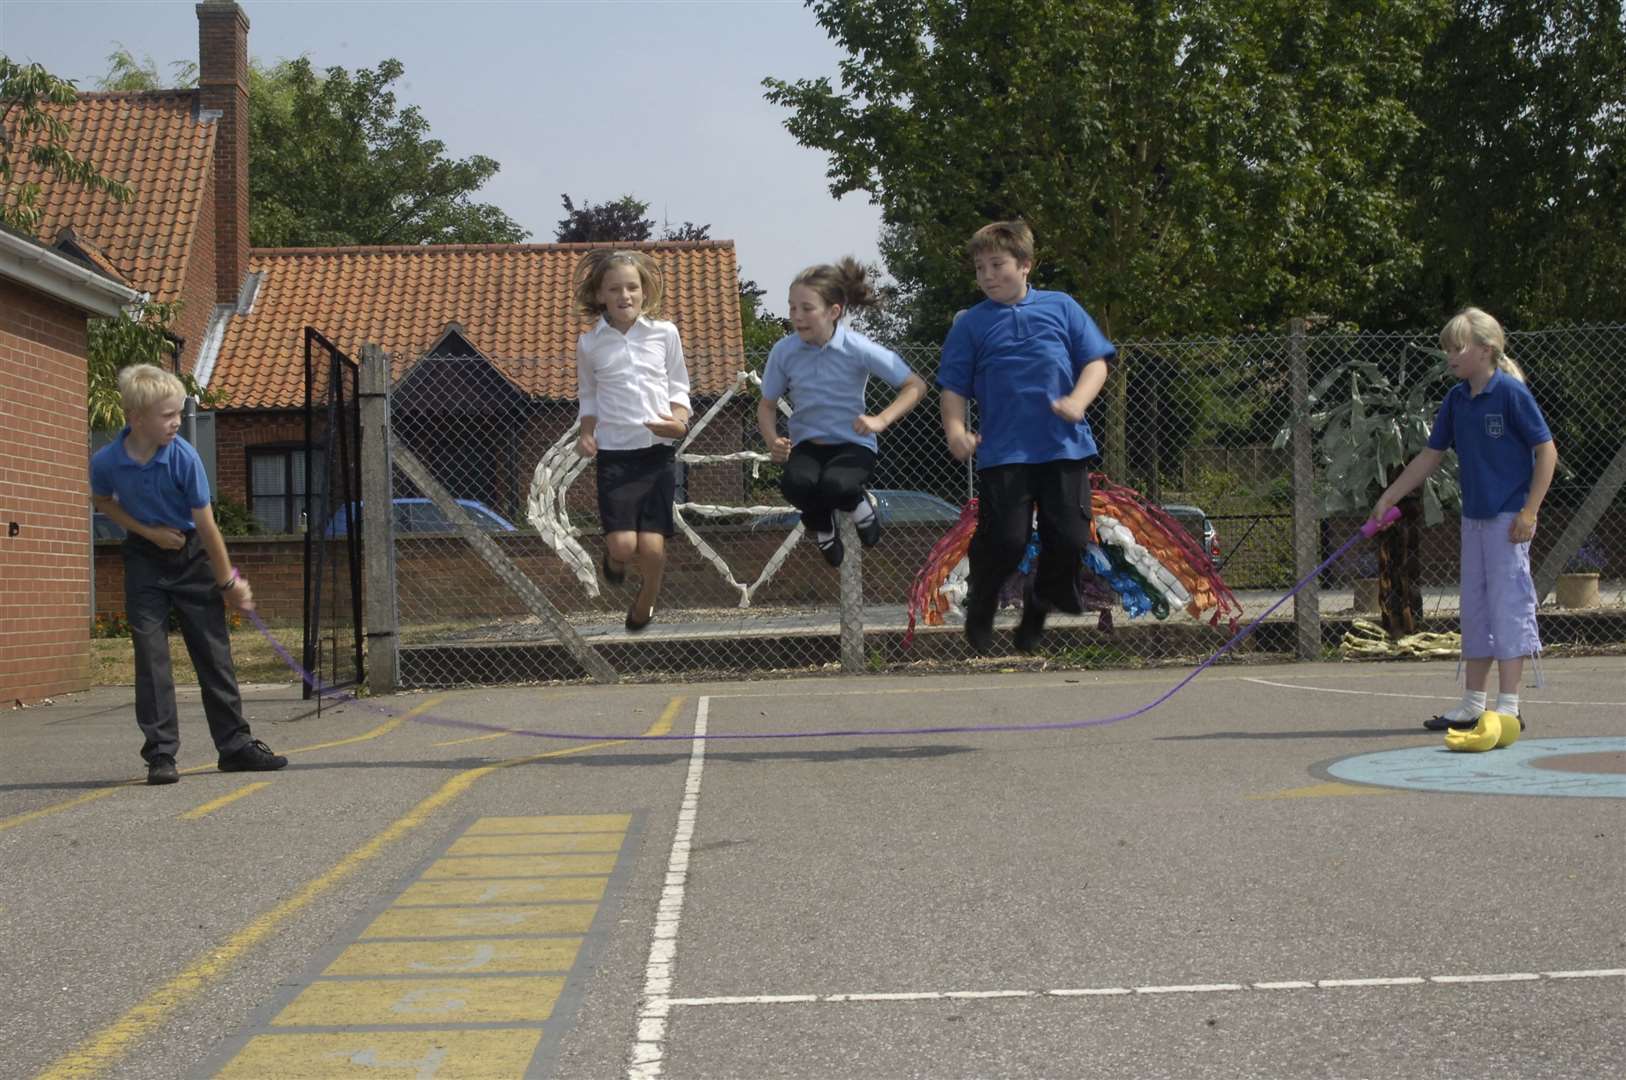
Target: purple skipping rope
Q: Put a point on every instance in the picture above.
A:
(1366, 531)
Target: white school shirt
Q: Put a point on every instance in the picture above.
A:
(626, 379)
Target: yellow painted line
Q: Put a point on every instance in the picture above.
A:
(666, 717)
(101, 793)
(555, 823)
(224, 800)
(496, 866)
(518, 891)
(478, 738)
(490, 1054)
(553, 844)
(487, 956)
(109, 1044)
(500, 999)
(429, 922)
(1322, 791)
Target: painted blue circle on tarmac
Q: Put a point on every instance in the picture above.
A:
(1496, 772)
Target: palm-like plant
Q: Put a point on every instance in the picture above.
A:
(1366, 427)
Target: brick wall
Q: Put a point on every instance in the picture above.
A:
(237, 432)
(223, 86)
(45, 491)
(197, 296)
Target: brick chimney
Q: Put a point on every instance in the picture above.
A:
(223, 87)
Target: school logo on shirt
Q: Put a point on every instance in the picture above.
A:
(1493, 425)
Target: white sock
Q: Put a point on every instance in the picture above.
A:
(824, 539)
(1507, 703)
(862, 512)
(1469, 708)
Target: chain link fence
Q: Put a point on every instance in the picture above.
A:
(1196, 426)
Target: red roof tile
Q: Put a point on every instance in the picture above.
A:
(153, 141)
(512, 302)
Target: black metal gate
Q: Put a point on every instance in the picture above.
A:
(332, 518)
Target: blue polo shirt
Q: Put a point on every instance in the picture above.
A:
(825, 383)
(1494, 432)
(163, 491)
(1014, 360)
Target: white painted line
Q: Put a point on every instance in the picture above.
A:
(662, 1003)
(1192, 988)
(1404, 980)
(648, 1053)
(1414, 697)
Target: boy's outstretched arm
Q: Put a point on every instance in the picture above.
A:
(232, 586)
(1090, 380)
(961, 443)
(1415, 472)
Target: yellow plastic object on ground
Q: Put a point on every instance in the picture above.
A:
(1483, 736)
(1511, 728)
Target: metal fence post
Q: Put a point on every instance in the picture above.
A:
(852, 597)
(1306, 517)
(377, 523)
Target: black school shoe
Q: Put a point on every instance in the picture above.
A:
(869, 533)
(1440, 723)
(161, 770)
(833, 549)
(254, 757)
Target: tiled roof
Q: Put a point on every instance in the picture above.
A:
(511, 301)
(153, 141)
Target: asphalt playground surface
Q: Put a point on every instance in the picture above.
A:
(1276, 873)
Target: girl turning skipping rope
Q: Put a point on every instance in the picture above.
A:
(1507, 457)
(634, 396)
(823, 367)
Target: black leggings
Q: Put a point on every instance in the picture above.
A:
(820, 478)
(1006, 497)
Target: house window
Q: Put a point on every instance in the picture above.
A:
(276, 486)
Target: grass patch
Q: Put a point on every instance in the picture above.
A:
(112, 660)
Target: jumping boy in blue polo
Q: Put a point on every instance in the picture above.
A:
(1034, 361)
(151, 481)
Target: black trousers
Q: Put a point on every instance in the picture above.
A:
(156, 581)
(1006, 498)
(820, 478)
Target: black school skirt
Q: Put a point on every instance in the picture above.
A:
(635, 489)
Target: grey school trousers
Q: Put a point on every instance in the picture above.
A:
(155, 580)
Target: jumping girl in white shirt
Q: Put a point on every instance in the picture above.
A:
(633, 391)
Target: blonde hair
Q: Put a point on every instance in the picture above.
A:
(1014, 238)
(589, 276)
(845, 283)
(141, 386)
(1476, 327)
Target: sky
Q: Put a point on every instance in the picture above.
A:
(661, 99)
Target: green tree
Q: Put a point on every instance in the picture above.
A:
(334, 161)
(1520, 181)
(141, 335)
(623, 219)
(31, 131)
(1186, 166)
(126, 72)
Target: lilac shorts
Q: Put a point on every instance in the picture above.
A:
(1498, 595)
